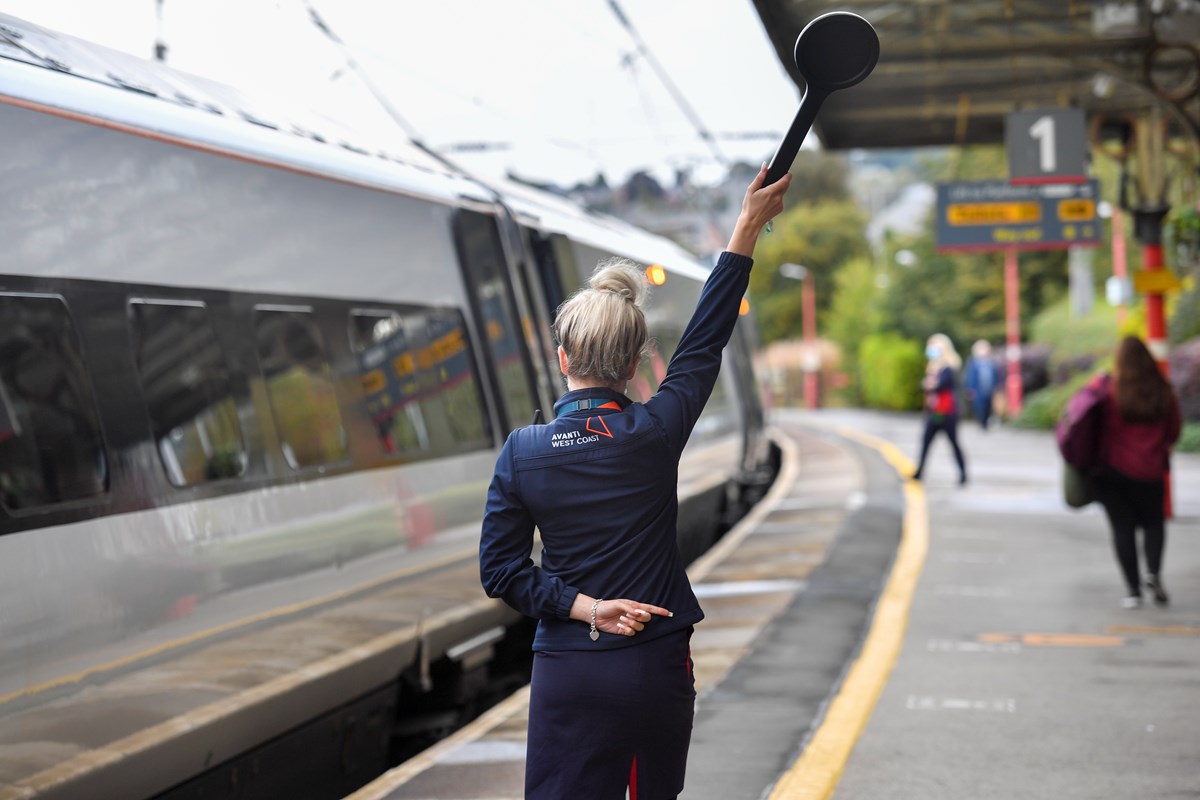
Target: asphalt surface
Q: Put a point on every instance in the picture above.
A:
(753, 724)
(1020, 675)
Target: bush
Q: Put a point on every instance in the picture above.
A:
(1041, 409)
(1189, 438)
(1069, 336)
(1035, 366)
(890, 369)
(1068, 368)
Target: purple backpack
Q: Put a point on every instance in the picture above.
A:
(1080, 431)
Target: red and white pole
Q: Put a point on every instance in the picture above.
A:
(1156, 318)
(1149, 227)
(813, 362)
(1012, 314)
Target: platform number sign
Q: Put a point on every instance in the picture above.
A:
(1046, 146)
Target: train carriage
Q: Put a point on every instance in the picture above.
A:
(254, 375)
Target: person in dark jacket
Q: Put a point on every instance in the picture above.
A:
(941, 400)
(1141, 424)
(612, 693)
(981, 378)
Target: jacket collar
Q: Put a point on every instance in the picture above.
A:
(585, 400)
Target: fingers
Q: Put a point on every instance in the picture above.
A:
(764, 203)
(757, 183)
(642, 612)
(630, 617)
(633, 619)
(776, 191)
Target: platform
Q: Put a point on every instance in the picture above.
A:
(982, 654)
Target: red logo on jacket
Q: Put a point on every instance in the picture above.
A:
(602, 430)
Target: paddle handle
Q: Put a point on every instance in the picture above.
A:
(785, 154)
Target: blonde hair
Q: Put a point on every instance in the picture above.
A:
(601, 327)
(948, 357)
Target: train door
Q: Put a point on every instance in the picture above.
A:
(481, 253)
(536, 316)
(552, 261)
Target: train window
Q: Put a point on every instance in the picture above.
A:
(483, 259)
(419, 382)
(299, 383)
(186, 385)
(51, 450)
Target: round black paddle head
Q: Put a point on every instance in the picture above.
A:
(836, 50)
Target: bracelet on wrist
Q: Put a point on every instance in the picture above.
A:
(594, 634)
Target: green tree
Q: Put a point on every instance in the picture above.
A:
(818, 176)
(962, 294)
(822, 237)
(855, 312)
(890, 369)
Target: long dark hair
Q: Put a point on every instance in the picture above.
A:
(1141, 391)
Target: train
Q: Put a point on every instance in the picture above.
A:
(254, 375)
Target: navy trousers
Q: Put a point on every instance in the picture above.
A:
(603, 722)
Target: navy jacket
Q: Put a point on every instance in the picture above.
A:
(600, 484)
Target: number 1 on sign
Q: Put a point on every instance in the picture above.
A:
(1043, 131)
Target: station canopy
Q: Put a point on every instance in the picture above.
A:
(949, 71)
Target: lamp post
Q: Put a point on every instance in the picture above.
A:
(812, 359)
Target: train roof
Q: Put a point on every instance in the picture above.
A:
(79, 78)
(551, 213)
(76, 77)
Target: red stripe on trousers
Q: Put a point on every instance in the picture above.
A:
(633, 779)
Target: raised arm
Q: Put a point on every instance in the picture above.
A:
(693, 370)
(759, 207)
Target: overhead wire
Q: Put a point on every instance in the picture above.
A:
(457, 147)
(356, 68)
(629, 62)
(677, 95)
(642, 50)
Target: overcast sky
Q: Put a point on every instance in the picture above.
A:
(556, 82)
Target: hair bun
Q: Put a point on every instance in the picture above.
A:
(621, 277)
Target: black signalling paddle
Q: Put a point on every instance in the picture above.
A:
(834, 51)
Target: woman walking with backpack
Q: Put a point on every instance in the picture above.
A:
(1141, 424)
(941, 400)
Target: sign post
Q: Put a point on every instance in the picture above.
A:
(1013, 385)
(989, 216)
(984, 216)
(1045, 146)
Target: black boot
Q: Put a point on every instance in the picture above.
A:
(1154, 584)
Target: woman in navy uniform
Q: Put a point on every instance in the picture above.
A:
(612, 691)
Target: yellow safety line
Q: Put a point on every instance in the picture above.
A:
(1053, 639)
(815, 775)
(282, 611)
(1156, 630)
